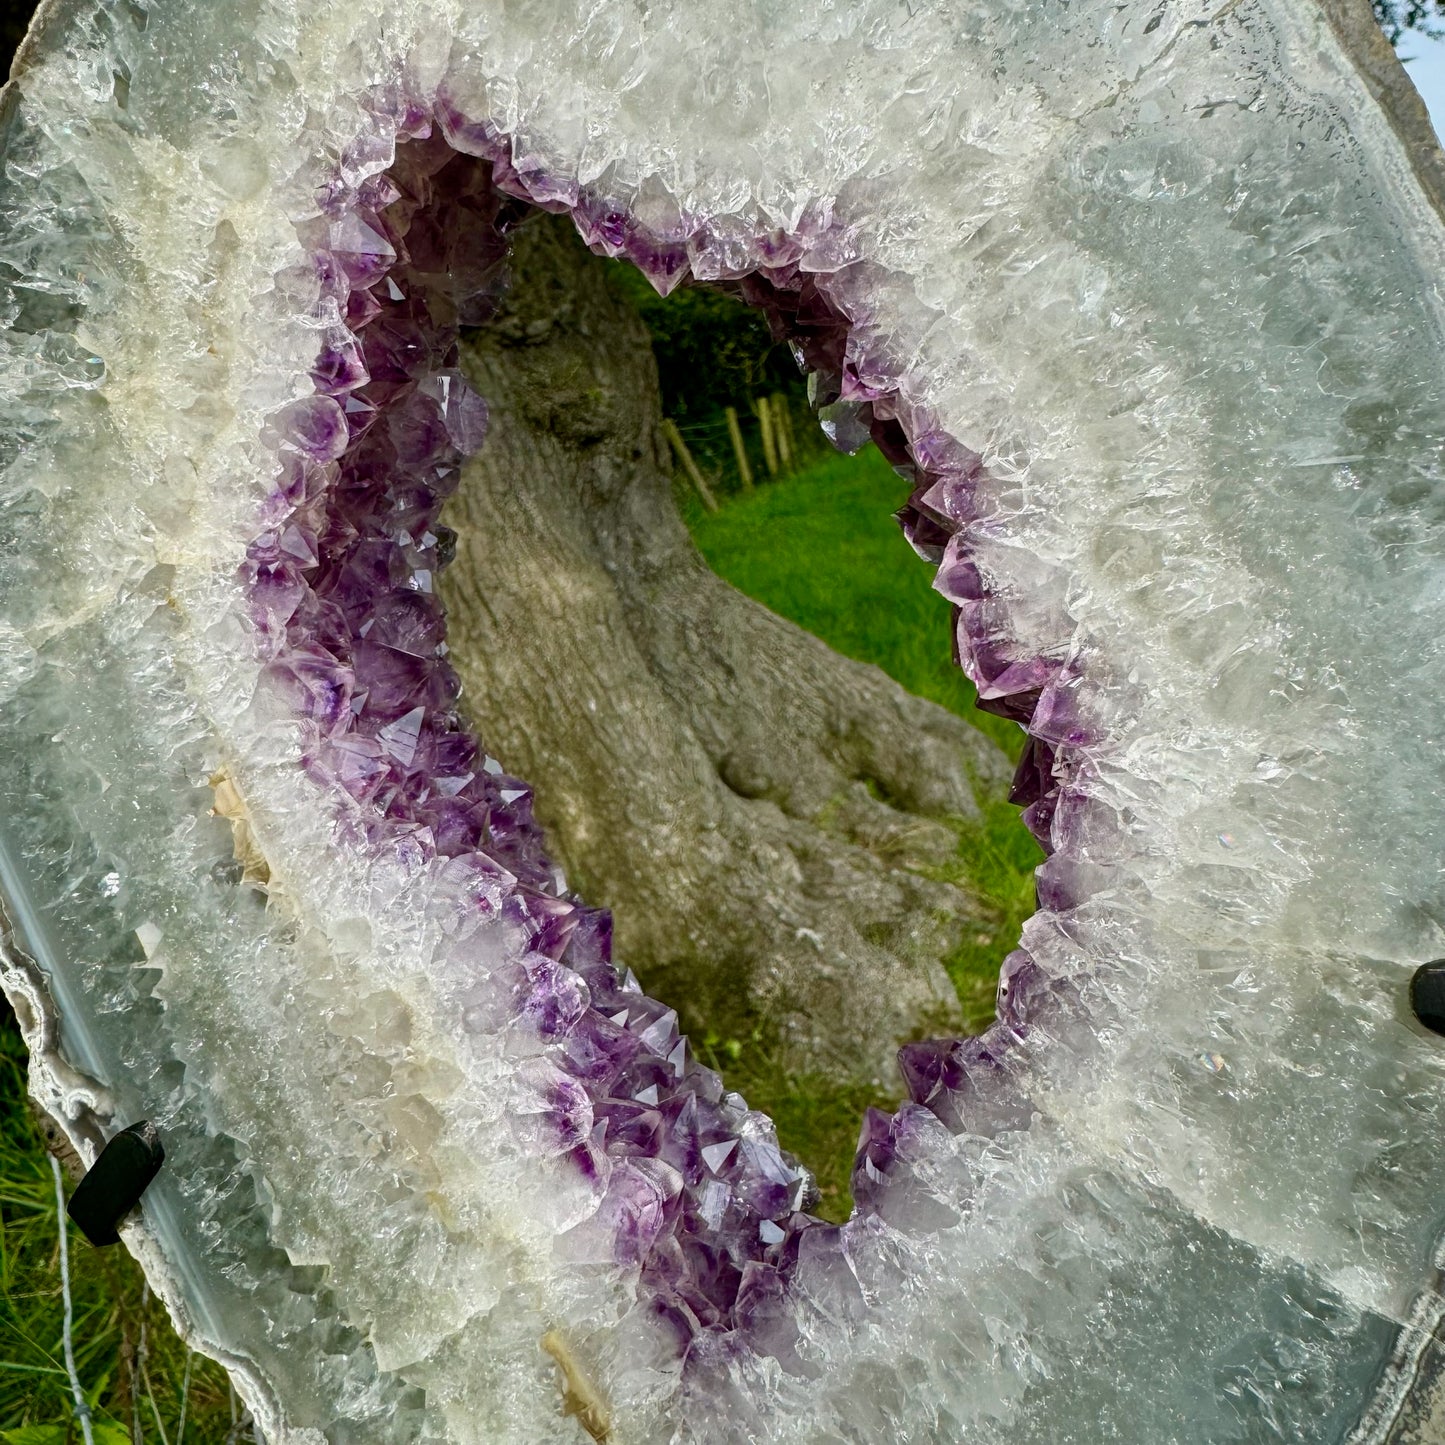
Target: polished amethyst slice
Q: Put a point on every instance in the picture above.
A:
(1146, 309)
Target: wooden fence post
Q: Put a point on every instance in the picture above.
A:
(783, 430)
(765, 425)
(745, 471)
(670, 431)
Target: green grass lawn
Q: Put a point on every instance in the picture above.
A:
(134, 1371)
(823, 550)
(820, 548)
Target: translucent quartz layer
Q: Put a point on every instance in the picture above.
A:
(1148, 303)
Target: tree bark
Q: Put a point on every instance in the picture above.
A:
(757, 810)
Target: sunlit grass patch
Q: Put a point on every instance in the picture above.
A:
(822, 549)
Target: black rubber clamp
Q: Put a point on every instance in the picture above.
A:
(113, 1185)
(1427, 995)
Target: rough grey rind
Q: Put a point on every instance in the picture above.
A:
(1359, 35)
(1409, 1404)
(1408, 1407)
(55, 16)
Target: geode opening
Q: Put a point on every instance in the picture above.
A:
(343, 589)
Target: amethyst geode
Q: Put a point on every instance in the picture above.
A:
(1145, 305)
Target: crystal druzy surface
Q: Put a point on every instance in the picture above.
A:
(1146, 304)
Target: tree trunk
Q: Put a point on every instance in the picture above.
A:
(753, 807)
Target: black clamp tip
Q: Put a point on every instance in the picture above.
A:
(1427, 995)
(113, 1185)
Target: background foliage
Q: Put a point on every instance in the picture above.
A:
(711, 350)
(1398, 17)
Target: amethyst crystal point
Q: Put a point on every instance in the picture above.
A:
(315, 426)
(1034, 775)
(891, 1177)
(1186, 1188)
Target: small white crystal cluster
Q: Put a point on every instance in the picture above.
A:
(1169, 276)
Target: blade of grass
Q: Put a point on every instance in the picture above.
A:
(82, 1405)
(185, 1396)
(145, 1375)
